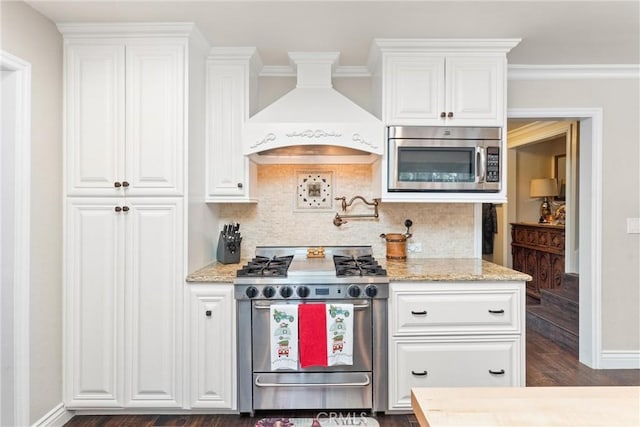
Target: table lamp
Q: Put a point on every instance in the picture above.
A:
(545, 188)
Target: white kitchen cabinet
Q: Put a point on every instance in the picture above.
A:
(441, 82)
(127, 92)
(212, 346)
(428, 90)
(454, 334)
(123, 314)
(451, 362)
(125, 117)
(231, 98)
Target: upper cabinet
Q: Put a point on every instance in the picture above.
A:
(438, 90)
(441, 82)
(125, 117)
(232, 77)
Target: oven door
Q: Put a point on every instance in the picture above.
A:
(362, 337)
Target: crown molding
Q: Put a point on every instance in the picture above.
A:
(515, 71)
(339, 71)
(573, 71)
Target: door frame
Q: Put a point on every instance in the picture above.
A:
(21, 221)
(590, 217)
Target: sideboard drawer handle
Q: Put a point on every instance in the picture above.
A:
(419, 313)
(500, 372)
(419, 374)
(496, 311)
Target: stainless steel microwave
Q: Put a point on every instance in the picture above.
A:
(444, 159)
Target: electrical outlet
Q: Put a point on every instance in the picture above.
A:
(633, 225)
(415, 247)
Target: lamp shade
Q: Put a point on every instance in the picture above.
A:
(543, 187)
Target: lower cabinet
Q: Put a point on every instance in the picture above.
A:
(454, 334)
(123, 278)
(212, 346)
(448, 362)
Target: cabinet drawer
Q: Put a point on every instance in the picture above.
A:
(450, 362)
(448, 312)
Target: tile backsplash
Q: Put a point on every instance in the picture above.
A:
(444, 230)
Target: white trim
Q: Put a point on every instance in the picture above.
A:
(620, 359)
(57, 417)
(590, 329)
(477, 230)
(130, 29)
(339, 71)
(22, 220)
(573, 71)
(514, 71)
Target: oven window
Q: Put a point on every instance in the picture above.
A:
(436, 164)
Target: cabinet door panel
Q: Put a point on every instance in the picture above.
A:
(488, 362)
(212, 347)
(155, 125)
(93, 304)
(94, 97)
(154, 290)
(226, 94)
(415, 90)
(475, 90)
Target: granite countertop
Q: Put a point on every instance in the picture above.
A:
(414, 269)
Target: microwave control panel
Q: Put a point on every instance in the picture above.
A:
(493, 164)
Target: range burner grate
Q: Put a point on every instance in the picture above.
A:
(266, 267)
(364, 265)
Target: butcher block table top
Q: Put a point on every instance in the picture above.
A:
(527, 406)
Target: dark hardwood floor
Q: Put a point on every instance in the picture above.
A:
(547, 365)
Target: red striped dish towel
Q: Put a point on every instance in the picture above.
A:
(312, 335)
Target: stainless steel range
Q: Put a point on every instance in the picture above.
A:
(312, 275)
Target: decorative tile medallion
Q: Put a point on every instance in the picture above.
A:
(314, 190)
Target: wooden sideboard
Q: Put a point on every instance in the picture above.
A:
(538, 250)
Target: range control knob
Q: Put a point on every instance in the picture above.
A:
(371, 291)
(286, 292)
(353, 291)
(251, 292)
(269, 292)
(303, 291)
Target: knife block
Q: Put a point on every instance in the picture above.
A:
(228, 252)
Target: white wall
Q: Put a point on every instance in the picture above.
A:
(620, 195)
(30, 36)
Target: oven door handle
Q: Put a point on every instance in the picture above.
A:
(366, 382)
(355, 306)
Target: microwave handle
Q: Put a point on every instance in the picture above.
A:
(481, 164)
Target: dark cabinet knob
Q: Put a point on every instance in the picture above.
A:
(450, 114)
(207, 313)
(443, 115)
(117, 184)
(125, 209)
(496, 311)
(419, 313)
(419, 374)
(500, 372)
(118, 209)
(240, 185)
(125, 184)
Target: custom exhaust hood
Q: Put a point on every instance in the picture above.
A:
(313, 123)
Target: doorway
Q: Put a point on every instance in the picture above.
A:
(15, 160)
(589, 218)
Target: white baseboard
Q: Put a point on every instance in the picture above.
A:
(57, 417)
(621, 359)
